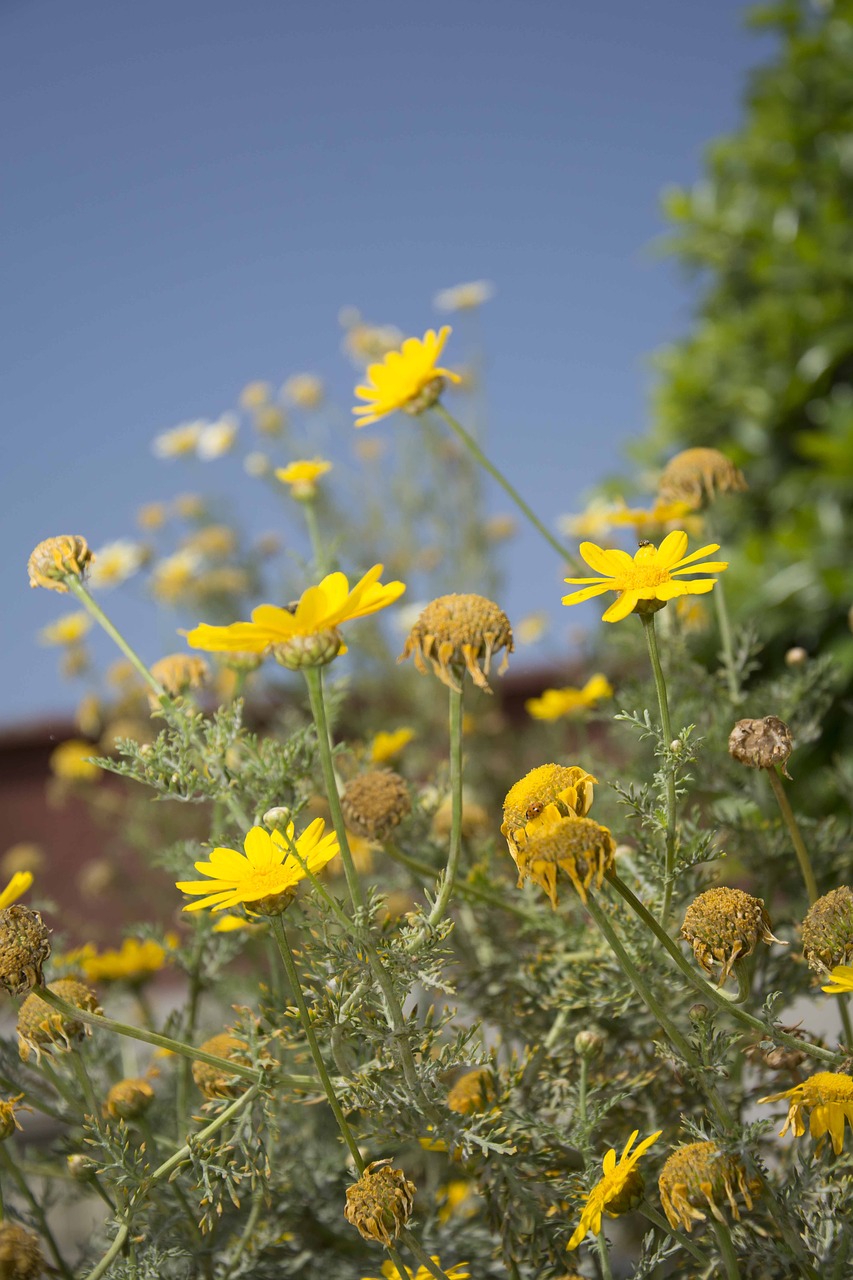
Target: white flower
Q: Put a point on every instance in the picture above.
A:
(178, 441)
(217, 438)
(464, 297)
(114, 563)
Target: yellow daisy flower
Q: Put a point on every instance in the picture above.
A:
(267, 877)
(18, 885)
(70, 761)
(70, 628)
(407, 379)
(618, 1190)
(115, 563)
(556, 703)
(178, 441)
(645, 582)
(828, 1097)
(840, 980)
(385, 746)
(316, 617)
(465, 297)
(302, 476)
(391, 1272)
(134, 961)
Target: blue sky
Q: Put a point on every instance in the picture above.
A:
(193, 188)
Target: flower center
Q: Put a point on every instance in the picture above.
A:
(642, 577)
(827, 1086)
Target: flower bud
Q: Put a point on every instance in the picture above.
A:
(80, 1167)
(314, 650)
(278, 816)
(589, 1044)
(761, 744)
(128, 1099)
(380, 1204)
(796, 657)
(56, 559)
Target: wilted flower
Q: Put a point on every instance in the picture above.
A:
(375, 803)
(128, 1099)
(553, 842)
(408, 379)
(761, 744)
(177, 673)
(695, 474)
(8, 1120)
(56, 559)
(553, 704)
(21, 1257)
(647, 581)
(457, 633)
(43, 1029)
(697, 1176)
(723, 926)
(380, 1204)
(827, 1097)
(618, 1190)
(24, 948)
(218, 1082)
(828, 931)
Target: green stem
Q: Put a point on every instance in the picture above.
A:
(648, 621)
(318, 550)
(421, 1255)
(78, 1066)
(727, 1249)
(726, 643)
(477, 453)
(277, 927)
(844, 1012)
(465, 890)
(314, 680)
(162, 1171)
(74, 584)
(679, 1042)
(657, 1220)
(795, 833)
(37, 1211)
(149, 1037)
(446, 890)
(709, 991)
(185, 1068)
(604, 1257)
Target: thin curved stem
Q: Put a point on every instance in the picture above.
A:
(314, 680)
(726, 643)
(446, 890)
(796, 835)
(477, 453)
(658, 1220)
(727, 1249)
(648, 621)
(74, 584)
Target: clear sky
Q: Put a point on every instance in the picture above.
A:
(193, 188)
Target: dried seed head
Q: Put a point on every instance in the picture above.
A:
(761, 744)
(459, 633)
(375, 803)
(178, 672)
(697, 1176)
(128, 1099)
(569, 786)
(695, 474)
(24, 947)
(21, 1257)
(552, 842)
(43, 1029)
(828, 931)
(474, 1091)
(724, 925)
(380, 1204)
(218, 1082)
(56, 559)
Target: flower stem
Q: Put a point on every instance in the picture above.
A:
(648, 621)
(37, 1211)
(318, 549)
(678, 1041)
(149, 1037)
(726, 643)
(477, 453)
(476, 892)
(421, 1255)
(604, 1257)
(314, 680)
(657, 1220)
(709, 991)
(277, 927)
(727, 1249)
(74, 584)
(795, 833)
(444, 893)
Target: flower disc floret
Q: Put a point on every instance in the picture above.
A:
(619, 1189)
(649, 579)
(698, 1175)
(408, 379)
(319, 612)
(266, 878)
(459, 633)
(723, 926)
(552, 842)
(827, 1098)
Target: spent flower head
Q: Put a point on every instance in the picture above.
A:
(21, 1257)
(43, 1029)
(57, 559)
(375, 803)
(24, 948)
(618, 1190)
(215, 1081)
(649, 579)
(409, 379)
(828, 931)
(699, 473)
(698, 1176)
(762, 744)
(724, 926)
(459, 633)
(380, 1204)
(553, 842)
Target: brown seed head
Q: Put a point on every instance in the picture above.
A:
(459, 633)
(380, 1204)
(695, 1177)
(43, 1029)
(695, 474)
(218, 1082)
(474, 1091)
(21, 1257)
(552, 842)
(128, 1099)
(724, 925)
(828, 931)
(56, 559)
(375, 803)
(24, 947)
(761, 744)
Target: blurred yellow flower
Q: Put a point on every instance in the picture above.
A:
(642, 520)
(68, 629)
(647, 577)
(69, 761)
(116, 562)
(267, 876)
(305, 390)
(597, 519)
(619, 1189)
(190, 506)
(392, 1272)
(235, 924)
(320, 609)
(464, 297)
(385, 746)
(216, 541)
(217, 438)
(302, 476)
(178, 441)
(133, 962)
(175, 575)
(152, 515)
(407, 379)
(18, 885)
(255, 395)
(553, 704)
(256, 464)
(499, 528)
(269, 420)
(531, 628)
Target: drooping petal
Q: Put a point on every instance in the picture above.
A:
(711, 566)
